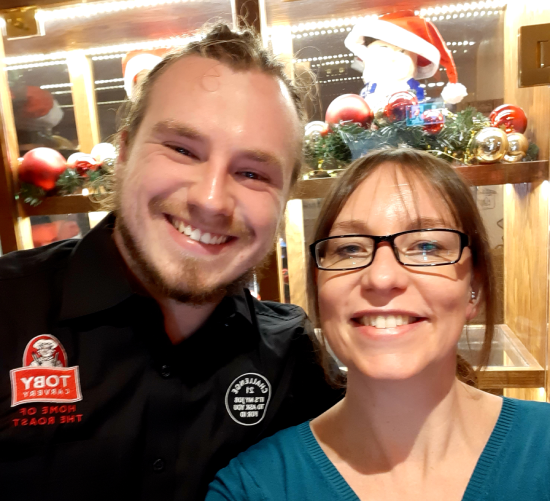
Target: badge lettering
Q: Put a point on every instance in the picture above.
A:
(247, 399)
(45, 376)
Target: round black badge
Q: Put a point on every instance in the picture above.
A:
(247, 398)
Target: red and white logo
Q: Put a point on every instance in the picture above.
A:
(45, 376)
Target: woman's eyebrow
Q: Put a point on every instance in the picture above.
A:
(359, 226)
(352, 225)
(426, 222)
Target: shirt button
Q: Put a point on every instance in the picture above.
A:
(165, 371)
(158, 465)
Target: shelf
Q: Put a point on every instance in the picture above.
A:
(477, 175)
(69, 204)
(510, 364)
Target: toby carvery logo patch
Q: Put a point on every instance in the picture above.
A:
(44, 376)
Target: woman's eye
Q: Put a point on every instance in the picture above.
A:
(425, 247)
(350, 249)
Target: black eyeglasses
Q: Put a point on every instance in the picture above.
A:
(427, 247)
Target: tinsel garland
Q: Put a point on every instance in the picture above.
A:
(347, 141)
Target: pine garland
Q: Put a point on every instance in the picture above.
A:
(346, 141)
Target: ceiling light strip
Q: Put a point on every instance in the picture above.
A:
(95, 9)
(109, 50)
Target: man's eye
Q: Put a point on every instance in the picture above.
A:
(181, 150)
(253, 175)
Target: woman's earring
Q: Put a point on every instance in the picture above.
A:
(473, 295)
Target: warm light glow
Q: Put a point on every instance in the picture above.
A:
(87, 10)
(85, 191)
(544, 188)
(486, 8)
(56, 86)
(103, 52)
(33, 65)
(112, 80)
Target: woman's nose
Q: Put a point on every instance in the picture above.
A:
(385, 273)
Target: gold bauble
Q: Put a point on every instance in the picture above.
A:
(490, 145)
(517, 147)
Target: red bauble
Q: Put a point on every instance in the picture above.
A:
(434, 121)
(349, 108)
(82, 163)
(42, 167)
(396, 109)
(511, 117)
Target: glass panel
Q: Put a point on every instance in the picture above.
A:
(105, 34)
(312, 32)
(43, 107)
(48, 229)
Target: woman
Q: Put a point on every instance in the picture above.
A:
(401, 264)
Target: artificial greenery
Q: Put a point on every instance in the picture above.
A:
(453, 143)
(31, 194)
(68, 183)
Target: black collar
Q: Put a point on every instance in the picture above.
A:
(97, 278)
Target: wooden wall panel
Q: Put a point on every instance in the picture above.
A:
(526, 205)
(296, 253)
(12, 231)
(85, 107)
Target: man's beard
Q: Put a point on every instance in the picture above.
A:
(191, 292)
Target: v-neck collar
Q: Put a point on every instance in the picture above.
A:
(475, 488)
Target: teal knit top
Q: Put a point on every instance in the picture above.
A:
(291, 466)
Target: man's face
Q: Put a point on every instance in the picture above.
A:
(45, 350)
(203, 186)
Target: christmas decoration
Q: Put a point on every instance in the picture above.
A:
(396, 107)
(102, 151)
(82, 163)
(349, 108)
(136, 64)
(82, 172)
(434, 121)
(42, 167)
(518, 146)
(510, 117)
(396, 49)
(315, 129)
(346, 142)
(490, 145)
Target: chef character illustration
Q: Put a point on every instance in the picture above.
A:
(46, 354)
(396, 50)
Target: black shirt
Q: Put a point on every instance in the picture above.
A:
(133, 416)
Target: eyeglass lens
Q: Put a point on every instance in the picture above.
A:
(415, 248)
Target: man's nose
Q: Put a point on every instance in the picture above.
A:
(212, 190)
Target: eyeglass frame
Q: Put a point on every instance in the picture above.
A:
(464, 242)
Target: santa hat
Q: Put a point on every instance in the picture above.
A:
(135, 62)
(36, 109)
(407, 31)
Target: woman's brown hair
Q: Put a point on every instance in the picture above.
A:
(455, 195)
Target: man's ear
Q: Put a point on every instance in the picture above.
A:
(123, 147)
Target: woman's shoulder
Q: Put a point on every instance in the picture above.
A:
(265, 470)
(528, 418)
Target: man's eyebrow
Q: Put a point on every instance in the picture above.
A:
(262, 157)
(177, 128)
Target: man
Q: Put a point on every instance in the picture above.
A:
(169, 367)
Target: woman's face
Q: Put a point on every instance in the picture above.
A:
(432, 303)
